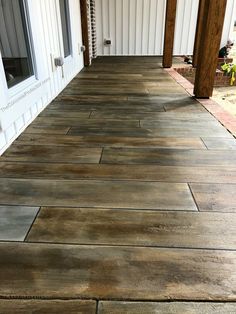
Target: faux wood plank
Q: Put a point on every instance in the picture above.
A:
(182, 174)
(193, 108)
(47, 307)
(220, 143)
(188, 131)
(96, 123)
(66, 114)
(215, 197)
(111, 91)
(15, 221)
(129, 108)
(136, 132)
(49, 129)
(116, 272)
(166, 90)
(42, 153)
(93, 98)
(158, 118)
(110, 194)
(167, 99)
(135, 228)
(114, 307)
(200, 129)
(111, 141)
(169, 157)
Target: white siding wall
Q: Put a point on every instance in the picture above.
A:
(18, 110)
(136, 27)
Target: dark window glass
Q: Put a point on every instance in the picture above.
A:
(14, 42)
(65, 23)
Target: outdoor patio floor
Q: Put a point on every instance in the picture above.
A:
(118, 197)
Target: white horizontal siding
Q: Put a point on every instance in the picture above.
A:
(136, 27)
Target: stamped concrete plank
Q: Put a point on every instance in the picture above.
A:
(49, 129)
(66, 114)
(220, 143)
(96, 123)
(42, 153)
(136, 228)
(168, 157)
(215, 197)
(103, 106)
(181, 174)
(158, 117)
(124, 273)
(141, 132)
(109, 141)
(15, 222)
(182, 107)
(200, 129)
(114, 307)
(92, 193)
(47, 306)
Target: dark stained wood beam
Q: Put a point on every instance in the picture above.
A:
(169, 33)
(199, 30)
(85, 28)
(213, 21)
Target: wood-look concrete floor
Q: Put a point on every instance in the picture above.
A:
(119, 198)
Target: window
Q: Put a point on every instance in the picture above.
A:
(15, 41)
(65, 23)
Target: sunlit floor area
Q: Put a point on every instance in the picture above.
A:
(119, 198)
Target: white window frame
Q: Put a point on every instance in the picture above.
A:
(69, 58)
(16, 89)
(27, 91)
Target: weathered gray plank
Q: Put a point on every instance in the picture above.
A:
(15, 221)
(181, 174)
(169, 157)
(157, 118)
(191, 108)
(49, 129)
(116, 272)
(109, 141)
(42, 153)
(179, 128)
(96, 123)
(66, 114)
(47, 307)
(136, 228)
(220, 143)
(83, 193)
(215, 197)
(114, 307)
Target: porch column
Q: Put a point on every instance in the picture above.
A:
(199, 30)
(85, 30)
(213, 21)
(169, 33)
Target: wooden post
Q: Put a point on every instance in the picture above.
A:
(85, 28)
(199, 30)
(169, 33)
(213, 21)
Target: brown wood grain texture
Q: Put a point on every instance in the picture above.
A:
(171, 6)
(199, 30)
(213, 21)
(85, 30)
